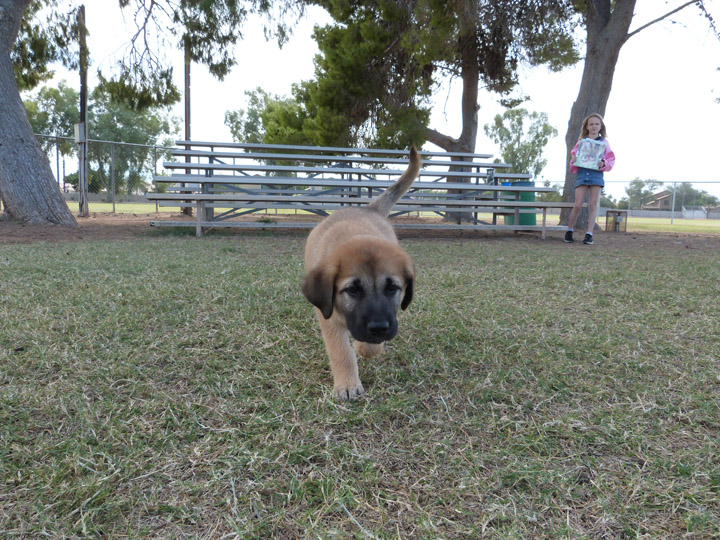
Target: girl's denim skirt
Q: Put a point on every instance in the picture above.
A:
(589, 177)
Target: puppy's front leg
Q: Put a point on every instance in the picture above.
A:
(343, 362)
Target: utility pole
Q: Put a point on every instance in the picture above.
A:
(672, 210)
(187, 210)
(81, 127)
(187, 90)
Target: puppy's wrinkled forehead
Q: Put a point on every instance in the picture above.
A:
(376, 260)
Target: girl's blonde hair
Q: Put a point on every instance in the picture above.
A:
(584, 131)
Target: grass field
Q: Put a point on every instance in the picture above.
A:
(174, 387)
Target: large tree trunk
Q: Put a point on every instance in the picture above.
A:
(470, 73)
(607, 32)
(28, 189)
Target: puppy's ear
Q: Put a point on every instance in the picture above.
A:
(319, 288)
(409, 282)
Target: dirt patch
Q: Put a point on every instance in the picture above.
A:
(100, 227)
(96, 227)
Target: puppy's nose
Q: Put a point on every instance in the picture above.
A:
(378, 328)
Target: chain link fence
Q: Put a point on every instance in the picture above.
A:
(119, 174)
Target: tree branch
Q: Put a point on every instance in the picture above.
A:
(441, 140)
(663, 17)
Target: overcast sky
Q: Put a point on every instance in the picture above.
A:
(662, 116)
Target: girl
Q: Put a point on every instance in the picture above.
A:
(593, 127)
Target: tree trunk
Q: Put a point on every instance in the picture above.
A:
(470, 73)
(607, 32)
(28, 189)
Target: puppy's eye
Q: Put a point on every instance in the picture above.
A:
(391, 288)
(353, 290)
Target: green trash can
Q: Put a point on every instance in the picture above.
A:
(525, 219)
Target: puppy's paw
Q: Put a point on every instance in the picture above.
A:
(367, 350)
(349, 393)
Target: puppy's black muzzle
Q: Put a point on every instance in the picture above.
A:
(375, 322)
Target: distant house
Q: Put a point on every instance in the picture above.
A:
(659, 201)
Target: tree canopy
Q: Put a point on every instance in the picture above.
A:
(639, 192)
(142, 76)
(47, 35)
(268, 119)
(381, 62)
(52, 112)
(522, 145)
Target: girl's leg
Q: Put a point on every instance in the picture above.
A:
(580, 192)
(593, 207)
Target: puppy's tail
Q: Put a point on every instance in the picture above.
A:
(384, 203)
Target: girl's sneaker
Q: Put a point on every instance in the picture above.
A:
(588, 239)
(568, 237)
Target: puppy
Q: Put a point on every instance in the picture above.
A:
(357, 278)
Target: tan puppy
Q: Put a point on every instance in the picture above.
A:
(358, 276)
